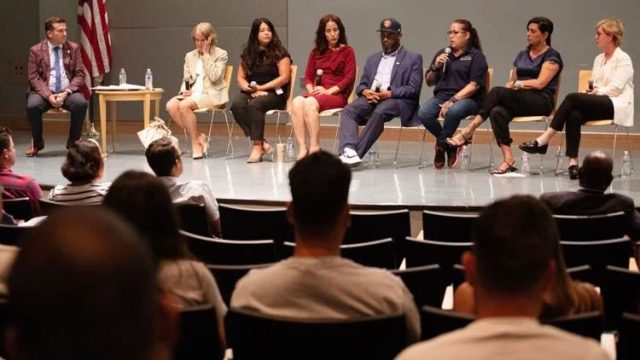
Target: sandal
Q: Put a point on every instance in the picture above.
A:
(302, 154)
(461, 137)
(500, 171)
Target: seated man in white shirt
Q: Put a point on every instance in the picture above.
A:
(317, 283)
(164, 158)
(511, 267)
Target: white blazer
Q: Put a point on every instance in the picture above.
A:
(215, 64)
(615, 79)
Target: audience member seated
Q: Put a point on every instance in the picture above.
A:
(595, 176)
(382, 97)
(82, 288)
(83, 167)
(328, 79)
(203, 86)
(316, 283)
(144, 200)
(609, 96)
(534, 80)
(163, 156)
(511, 271)
(15, 185)
(459, 77)
(263, 77)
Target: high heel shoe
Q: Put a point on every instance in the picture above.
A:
(462, 137)
(501, 171)
(574, 174)
(532, 147)
(302, 154)
(255, 158)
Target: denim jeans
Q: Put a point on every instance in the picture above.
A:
(428, 115)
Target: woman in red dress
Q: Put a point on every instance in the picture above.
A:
(328, 79)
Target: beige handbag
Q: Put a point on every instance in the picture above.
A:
(156, 130)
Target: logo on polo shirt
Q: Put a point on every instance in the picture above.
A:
(466, 58)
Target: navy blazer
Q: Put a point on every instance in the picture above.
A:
(406, 81)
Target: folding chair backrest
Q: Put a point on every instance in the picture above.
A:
(198, 336)
(19, 208)
(592, 227)
(377, 253)
(435, 321)
(620, 293)
(426, 284)
(230, 252)
(442, 226)
(628, 344)
(228, 275)
(194, 218)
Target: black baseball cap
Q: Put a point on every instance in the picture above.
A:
(390, 25)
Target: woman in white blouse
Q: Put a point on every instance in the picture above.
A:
(609, 96)
(203, 86)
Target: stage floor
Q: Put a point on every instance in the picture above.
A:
(373, 185)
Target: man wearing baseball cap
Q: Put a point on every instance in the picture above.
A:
(389, 87)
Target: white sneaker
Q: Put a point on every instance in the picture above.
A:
(350, 157)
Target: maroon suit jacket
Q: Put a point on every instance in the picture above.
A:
(39, 66)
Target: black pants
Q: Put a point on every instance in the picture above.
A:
(502, 104)
(75, 103)
(249, 112)
(575, 110)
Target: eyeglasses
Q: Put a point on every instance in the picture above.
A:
(455, 32)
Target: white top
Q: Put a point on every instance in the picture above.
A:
(614, 78)
(64, 80)
(197, 87)
(192, 192)
(385, 68)
(88, 194)
(324, 288)
(519, 338)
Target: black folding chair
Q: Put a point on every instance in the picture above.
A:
(12, 234)
(628, 344)
(592, 227)
(450, 227)
(245, 223)
(199, 336)
(620, 292)
(19, 208)
(228, 275)
(377, 253)
(253, 336)
(427, 252)
(426, 284)
(587, 324)
(598, 254)
(434, 321)
(230, 252)
(194, 218)
(373, 225)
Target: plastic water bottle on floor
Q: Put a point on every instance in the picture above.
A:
(291, 150)
(524, 166)
(148, 80)
(373, 155)
(465, 158)
(626, 165)
(559, 159)
(123, 77)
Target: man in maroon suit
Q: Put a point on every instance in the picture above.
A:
(56, 72)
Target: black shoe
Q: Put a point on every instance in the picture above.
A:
(438, 160)
(452, 156)
(532, 147)
(573, 172)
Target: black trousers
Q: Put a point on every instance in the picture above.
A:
(249, 112)
(503, 104)
(575, 110)
(75, 103)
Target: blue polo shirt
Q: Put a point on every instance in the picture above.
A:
(469, 66)
(528, 68)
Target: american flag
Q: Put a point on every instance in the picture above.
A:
(95, 40)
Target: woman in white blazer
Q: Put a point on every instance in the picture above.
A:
(203, 86)
(609, 96)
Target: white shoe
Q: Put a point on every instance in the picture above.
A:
(350, 157)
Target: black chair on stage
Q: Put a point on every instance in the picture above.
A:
(377, 253)
(587, 324)
(426, 284)
(253, 336)
(620, 292)
(628, 345)
(450, 227)
(246, 223)
(199, 336)
(592, 227)
(19, 208)
(230, 252)
(427, 252)
(373, 225)
(434, 321)
(597, 254)
(228, 275)
(194, 219)
(12, 234)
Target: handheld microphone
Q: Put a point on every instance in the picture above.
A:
(253, 84)
(319, 73)
(187, 84)
(448, 52)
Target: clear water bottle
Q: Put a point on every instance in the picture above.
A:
(123, 77)
(373, 155)
(148, 80)
(291, 150)
(626, 165)
(465, 158)
(559, 159)
(524, 168)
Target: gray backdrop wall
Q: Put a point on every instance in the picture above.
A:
(156, 33)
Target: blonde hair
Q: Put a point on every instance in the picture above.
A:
(206, 30)
(612, 27)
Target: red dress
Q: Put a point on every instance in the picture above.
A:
(338, 69)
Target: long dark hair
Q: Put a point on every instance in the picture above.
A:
(544, 24)
(253, 56)
(321, 39)
(144, 201)
(474, 39)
